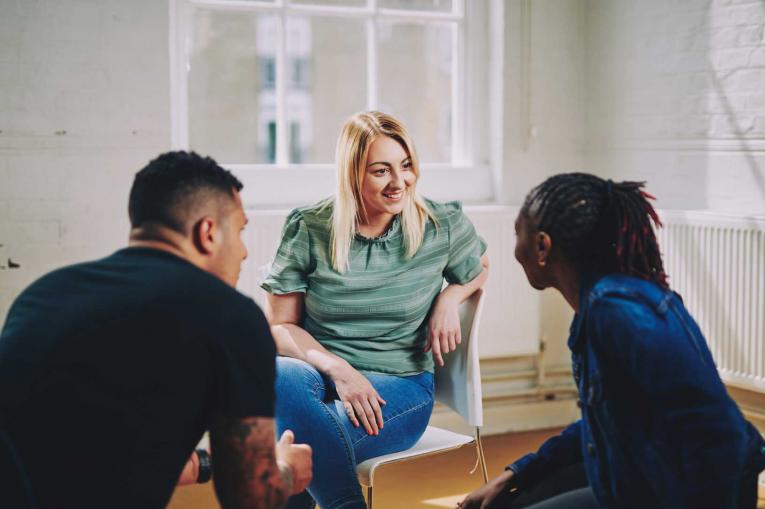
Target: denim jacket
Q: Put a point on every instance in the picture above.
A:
(658, 428)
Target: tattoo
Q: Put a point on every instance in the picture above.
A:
(244, 461)
(242, 431)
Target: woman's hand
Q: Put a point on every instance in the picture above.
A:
(493, 495)
(360, 399)
(444, 332)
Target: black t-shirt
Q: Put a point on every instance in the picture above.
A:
(111, 371)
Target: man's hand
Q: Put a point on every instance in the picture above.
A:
(190, 472)
(444, 332)
(495, 494)
(294, 461)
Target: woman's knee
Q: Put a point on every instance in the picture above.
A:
(295, 371)
(295, 380)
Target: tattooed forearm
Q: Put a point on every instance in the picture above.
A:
(246, 471)
(242, 431)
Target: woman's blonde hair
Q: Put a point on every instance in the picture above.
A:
(358, 134)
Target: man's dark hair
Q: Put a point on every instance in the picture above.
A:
(599, 225)
(173, 186)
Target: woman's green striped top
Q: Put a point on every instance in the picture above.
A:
(375, 314)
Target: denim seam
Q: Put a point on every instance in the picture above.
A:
(405, 412)
(338, 428)
(317, 387)
(343, 438)
(353, 498)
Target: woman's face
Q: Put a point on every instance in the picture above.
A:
(388, 178)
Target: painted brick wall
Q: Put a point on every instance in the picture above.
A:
(677, 97)
(665, 90)
(83, 105)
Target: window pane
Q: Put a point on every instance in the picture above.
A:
(415, 83)
(341, 3)
(232, 76)
(326, 82)
(417, 5)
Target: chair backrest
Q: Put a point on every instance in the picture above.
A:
(458, 383)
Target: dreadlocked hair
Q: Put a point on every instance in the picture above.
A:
(599, 225)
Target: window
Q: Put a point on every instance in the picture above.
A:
(265, 86)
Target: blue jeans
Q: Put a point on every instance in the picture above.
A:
(307, 403)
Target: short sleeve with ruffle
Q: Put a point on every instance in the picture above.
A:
(465, 247)
(292, 263)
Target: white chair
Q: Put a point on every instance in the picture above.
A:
(458, 386)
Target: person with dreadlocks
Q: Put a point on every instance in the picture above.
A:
(658, 428)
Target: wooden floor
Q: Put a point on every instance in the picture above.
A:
(428, 483)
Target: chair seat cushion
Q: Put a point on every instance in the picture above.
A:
(432, 441)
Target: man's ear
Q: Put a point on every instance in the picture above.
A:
(206, 235)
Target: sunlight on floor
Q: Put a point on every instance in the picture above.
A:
(449, 501)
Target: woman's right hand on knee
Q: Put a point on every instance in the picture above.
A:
(360, 399)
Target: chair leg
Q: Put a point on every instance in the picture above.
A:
(369, 497)
(481, 457)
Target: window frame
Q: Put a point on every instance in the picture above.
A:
(474, 174)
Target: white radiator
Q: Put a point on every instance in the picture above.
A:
(511, 317)
(717, 264)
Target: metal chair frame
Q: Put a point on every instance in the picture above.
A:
(458, 386)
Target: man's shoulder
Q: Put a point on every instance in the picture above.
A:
(212, 300)
(58, 284)
(142, 274)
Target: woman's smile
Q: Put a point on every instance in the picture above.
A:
(394, 196)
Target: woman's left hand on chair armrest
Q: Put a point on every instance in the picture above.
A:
(444, 332)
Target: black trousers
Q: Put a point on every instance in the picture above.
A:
(567, 488)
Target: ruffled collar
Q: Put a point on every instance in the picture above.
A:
(394, 228)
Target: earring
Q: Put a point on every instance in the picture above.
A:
(542, 262)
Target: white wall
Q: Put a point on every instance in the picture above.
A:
(671, 92)
(545, 119)
(83, 105)
(668, 91)
(676, 96)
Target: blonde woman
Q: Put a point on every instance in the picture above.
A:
(357, 308)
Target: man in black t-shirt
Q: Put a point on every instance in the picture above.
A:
(111, 371)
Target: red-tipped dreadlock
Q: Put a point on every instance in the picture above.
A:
(600, 225)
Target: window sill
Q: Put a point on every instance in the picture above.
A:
(271, 187)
